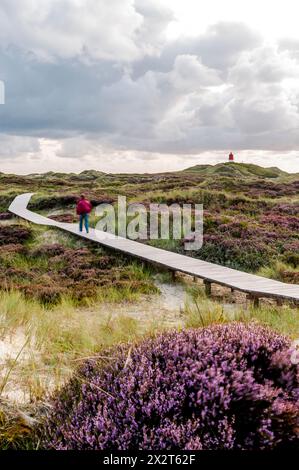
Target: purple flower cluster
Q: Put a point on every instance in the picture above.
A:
(223, 387)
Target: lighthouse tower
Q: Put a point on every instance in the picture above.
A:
(231, 157)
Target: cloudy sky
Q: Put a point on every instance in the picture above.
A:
(148, 85)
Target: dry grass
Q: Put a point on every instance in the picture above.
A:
(52, 339)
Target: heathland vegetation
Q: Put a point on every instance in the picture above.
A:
(66, 303)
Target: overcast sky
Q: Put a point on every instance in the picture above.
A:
(148, 85)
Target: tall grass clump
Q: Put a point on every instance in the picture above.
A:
(280, 271)
(229, 386)
(201, 311)
(16, 310)
(51, 339)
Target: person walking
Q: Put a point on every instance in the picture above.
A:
(83, 210)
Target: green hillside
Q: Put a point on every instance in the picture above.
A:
(237, 169)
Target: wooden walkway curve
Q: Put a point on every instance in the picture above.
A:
(255, 286)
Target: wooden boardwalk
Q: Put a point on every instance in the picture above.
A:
(254, 286)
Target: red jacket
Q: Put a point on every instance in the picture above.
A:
(83, 207)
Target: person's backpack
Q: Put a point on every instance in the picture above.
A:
(84, 207)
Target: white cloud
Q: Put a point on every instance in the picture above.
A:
(266, 64)
(14, 146)
(67, 28)
(274, 19)
(189, 74)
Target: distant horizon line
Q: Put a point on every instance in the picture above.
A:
(147, 173)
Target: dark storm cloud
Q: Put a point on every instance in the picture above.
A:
(53, 98)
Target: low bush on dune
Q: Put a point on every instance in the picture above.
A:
(5, 216)
(272, 238)
(14, 234)
(68, 218)
(222, 387)
(53, 202)
(48, 272)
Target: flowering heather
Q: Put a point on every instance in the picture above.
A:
(285, 208)
(273, 237)
(229, 251)
(222, 387)
(285, 222)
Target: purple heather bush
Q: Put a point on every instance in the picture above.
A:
(229, 386)
(273, 237)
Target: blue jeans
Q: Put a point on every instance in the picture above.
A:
(84, 218)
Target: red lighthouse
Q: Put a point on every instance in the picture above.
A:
(231, 157)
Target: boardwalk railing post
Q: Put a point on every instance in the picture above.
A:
(256, 302)
(254, 299)
(208, 287)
